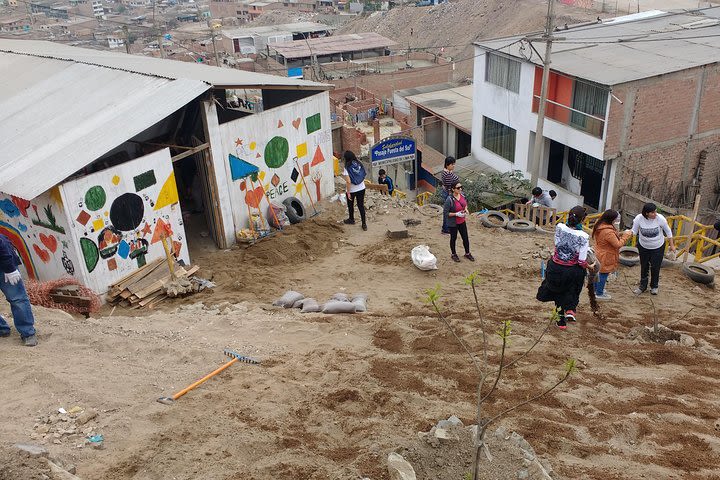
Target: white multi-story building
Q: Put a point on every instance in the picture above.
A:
(631, 107)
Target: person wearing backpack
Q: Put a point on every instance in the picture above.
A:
(354, 174)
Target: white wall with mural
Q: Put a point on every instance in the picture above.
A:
(268, 155)
(118, 217)
(39, 231)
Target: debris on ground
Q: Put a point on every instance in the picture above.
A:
(65, 294)
(153, 283)
(75, 429)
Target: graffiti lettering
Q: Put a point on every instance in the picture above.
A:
(278, 191)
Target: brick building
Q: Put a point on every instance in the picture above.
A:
(633, 106)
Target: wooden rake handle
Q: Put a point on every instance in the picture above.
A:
(204, 379)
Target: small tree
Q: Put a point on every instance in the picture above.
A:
(482, 369)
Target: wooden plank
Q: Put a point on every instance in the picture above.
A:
(127, 279)
(150, 298)
(192, 151)
(149, 279)
(380, 187)
(154, 303)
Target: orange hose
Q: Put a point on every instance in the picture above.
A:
(204, 379)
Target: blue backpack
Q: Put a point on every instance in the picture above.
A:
(356, 171)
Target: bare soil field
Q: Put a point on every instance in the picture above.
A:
(336, 393)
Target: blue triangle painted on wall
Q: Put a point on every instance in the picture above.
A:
(240, 168)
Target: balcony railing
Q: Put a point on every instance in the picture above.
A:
(582, 121)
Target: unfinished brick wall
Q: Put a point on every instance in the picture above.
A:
(658, 134)
(383, 85)
(352, 139)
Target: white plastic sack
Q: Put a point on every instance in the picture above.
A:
(422, 258)
(360, 302)
(280, 218)
(342, 297)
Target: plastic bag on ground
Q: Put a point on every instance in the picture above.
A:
(288, 299)
(280, 218)
(422, 258)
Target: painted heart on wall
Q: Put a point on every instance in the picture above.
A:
(49, 241)
(42, 253)
(296, 123)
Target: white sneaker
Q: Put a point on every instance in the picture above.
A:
(638, 291)
(654, 291)
(604, 296)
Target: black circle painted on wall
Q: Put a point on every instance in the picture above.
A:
(127, 212)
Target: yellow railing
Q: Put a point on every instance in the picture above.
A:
(422, 198)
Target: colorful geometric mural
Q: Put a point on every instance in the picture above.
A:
(111, 234)
(271, 157)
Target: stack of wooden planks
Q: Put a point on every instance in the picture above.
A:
(144, 287)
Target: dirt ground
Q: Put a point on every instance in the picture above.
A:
(336, 393)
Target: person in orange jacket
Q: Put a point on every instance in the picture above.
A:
(607, 249)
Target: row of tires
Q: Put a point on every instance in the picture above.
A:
(697, 272)
(496, 219)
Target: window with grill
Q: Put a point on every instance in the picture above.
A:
(499, 138)
(503, 72)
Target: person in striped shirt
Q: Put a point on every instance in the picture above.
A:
(449, 178)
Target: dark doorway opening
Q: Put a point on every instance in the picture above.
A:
(556, 159)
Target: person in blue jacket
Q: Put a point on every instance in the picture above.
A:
(383, 179)
(12, 286)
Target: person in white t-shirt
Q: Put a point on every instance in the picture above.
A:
(651, 229)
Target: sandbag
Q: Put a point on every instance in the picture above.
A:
(310, 305)
(341, 297)
(360, 302)
(288, 299)
(422, 258)
(280, 218)
(298, 303)
(337, 306)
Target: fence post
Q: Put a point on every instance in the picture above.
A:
(694, 218)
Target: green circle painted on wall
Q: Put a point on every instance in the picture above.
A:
(95, 198)
(276, 152)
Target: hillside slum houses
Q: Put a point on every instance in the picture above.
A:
(105, 153)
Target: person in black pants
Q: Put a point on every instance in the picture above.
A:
(354, 174)
(651, 229)
(454, 212)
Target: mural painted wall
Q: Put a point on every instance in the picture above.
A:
(268, 155)
(39, 230)
(118, 216)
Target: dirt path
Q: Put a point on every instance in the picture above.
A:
(336, 393)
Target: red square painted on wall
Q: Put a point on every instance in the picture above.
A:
(112, 264)
(83, 218)
(306, 170)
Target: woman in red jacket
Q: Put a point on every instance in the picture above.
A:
(607, 249)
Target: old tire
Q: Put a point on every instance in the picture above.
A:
(295, 210)
(699, 273)
(494, 219)
(629, 256)
(520, 225)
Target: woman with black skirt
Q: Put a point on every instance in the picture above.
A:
(565, 273)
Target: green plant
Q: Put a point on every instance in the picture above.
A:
(432, 298)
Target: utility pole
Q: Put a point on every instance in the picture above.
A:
(127, 38)
(539, 140)
(212, 35)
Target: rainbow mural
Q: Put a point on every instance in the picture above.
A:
(18, 242)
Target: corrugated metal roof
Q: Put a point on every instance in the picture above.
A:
(650, 46)
(353, 42)
(171, 69)
(454, 105)
(56, 116)
(269, 30)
